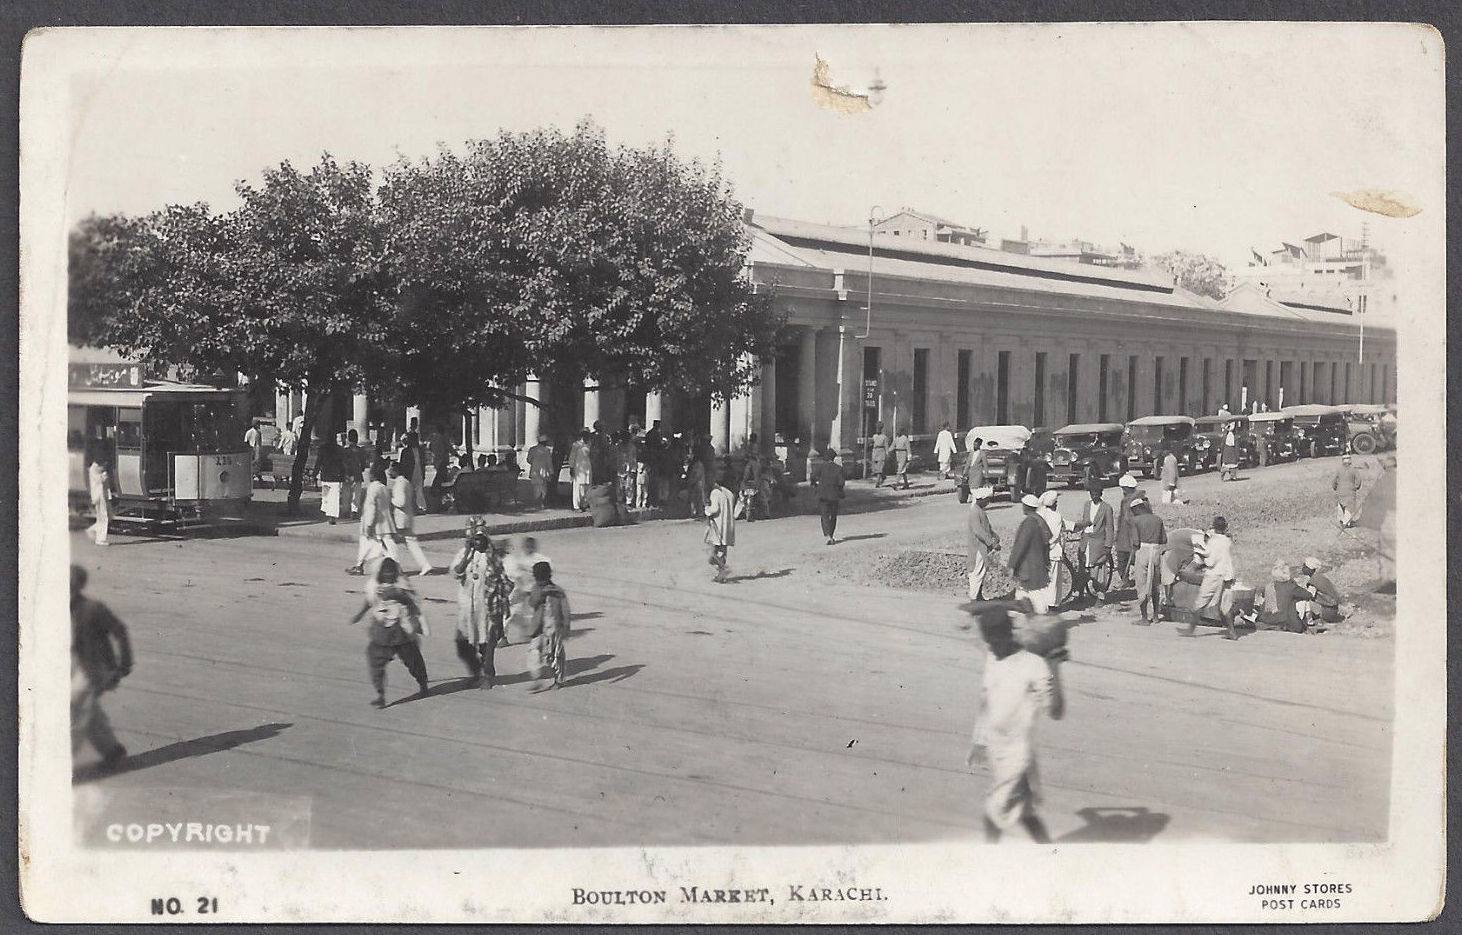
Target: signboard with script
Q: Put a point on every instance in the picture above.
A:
(870, 393)
(105, 376)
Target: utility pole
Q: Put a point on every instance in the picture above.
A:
(1365, 288)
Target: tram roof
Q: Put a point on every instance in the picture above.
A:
(136, 395)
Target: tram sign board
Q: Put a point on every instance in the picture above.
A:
(104, 376)
(870, 393)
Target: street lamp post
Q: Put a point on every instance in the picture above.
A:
(873, 214)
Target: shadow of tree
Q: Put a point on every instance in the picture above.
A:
(199, 746)
(1121, 825)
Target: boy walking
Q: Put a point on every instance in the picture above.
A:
(397, 624)
(1019, 686)
(550, 629)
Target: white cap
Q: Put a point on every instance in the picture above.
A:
(983, 493)
(1030, 500)
(1127, 480)
(1136, 501)
(1312, 563)
(1048, 498)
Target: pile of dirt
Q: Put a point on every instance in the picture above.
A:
(1267, 525)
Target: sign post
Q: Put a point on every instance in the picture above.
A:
(870, 401)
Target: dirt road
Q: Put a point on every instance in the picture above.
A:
(787, 707)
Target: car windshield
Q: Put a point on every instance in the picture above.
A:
(1087, 439)
(1154, 433)
(1269, 427)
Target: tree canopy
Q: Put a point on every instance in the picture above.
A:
(447, 281)
(1197, 273)
(544, 250)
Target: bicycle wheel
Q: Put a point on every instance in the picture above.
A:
(1071, 582)
(1099, 576)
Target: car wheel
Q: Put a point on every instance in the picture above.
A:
(1363, 444)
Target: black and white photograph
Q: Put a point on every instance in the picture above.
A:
(733, 473)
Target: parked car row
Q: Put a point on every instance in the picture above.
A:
(1108, 449)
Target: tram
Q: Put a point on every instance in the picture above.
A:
(176, 451)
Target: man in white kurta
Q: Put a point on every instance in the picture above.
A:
(581, 471)
(403, 512)
(944, 449)
(1018, 686)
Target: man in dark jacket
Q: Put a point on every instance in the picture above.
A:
(1097, 524)
(101, 656)
(1035, 474)
(1029, 560)
(828, 481)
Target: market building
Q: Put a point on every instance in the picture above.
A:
(916, 332)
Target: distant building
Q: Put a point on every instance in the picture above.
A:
(921, 226)
(1084, 251)
(1324, 270)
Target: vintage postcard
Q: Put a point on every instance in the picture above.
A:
(942, 473)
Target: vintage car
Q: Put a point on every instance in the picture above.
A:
(999, 461)
(1372, 427)
(1147, 440)
(1215, 428)
(1319, 430)
(1273, 437)
(1087, 445)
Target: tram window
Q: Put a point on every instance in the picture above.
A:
(129, 430)
(75, 428)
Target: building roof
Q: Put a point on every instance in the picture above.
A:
(786, 242)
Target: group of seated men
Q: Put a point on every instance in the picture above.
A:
(1299, 602)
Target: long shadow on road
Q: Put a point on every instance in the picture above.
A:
(1130, 825)
(199, 746)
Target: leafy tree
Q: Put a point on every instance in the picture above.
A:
(287, 287)
(1197, 273)
(538, 250)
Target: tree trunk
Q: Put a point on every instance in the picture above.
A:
(315, 402)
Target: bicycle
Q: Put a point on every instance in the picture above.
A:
(1079, 577)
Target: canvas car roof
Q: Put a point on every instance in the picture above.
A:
(1270, 416)
(1085, 427)
(1219, 420)
(1161, 420)
(1310, 409)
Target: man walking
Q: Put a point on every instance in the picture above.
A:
(828, 481)
(944, 449)
(1029, 560)
(1218, 575)
(879, 455)
(721, 526)
(1170, 477)
(377, 528)
(1017, 688)
(981, 540)
(100, 487)
(330, 467)
(974, 475)
(581, 470)
(540, 470)
(1346, 487)
(101, 656)
(902, 452)
(403, 516)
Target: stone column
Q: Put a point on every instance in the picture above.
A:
(532, 417)
(843, 433)
(745, 416)
(281, 407)
(654, 409)
(591, 402)
(806, 384)
(720, 426)
(360, 421)
(765, 416)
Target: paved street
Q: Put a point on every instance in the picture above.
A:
(783, 708)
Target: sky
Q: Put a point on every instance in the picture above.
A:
(1212, 138)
